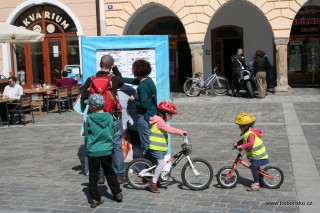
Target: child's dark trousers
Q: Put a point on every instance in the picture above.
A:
(94, 165)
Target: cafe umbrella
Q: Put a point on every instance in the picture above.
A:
(14, 34)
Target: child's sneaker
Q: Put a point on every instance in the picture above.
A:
(254, 187)
(95, 203)
(153, 187)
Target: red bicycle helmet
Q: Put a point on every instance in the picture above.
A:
(167, 106)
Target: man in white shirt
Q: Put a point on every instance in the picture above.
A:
(13, 90)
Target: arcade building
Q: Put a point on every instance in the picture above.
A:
(202, 34)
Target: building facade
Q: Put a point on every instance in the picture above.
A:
(202, 34)
(62, 22)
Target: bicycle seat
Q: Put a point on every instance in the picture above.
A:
(198, 74)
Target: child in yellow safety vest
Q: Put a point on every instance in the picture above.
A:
(253, 146)
(159, 138)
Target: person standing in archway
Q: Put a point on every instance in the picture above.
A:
(238, 63)
(260, 66)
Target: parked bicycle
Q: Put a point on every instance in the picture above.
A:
(270, 176)
(218, 85)
(196, 174)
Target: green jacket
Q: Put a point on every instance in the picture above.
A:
(146, 99)
(98, 132)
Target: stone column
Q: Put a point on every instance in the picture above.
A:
(196, 57)
(282, 66)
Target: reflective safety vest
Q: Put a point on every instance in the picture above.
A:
(158, 139)
(258, 151)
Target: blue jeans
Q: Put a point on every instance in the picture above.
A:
(86, 162)
(144, 132)
(255, 165)
(159, 155)
(118, 159)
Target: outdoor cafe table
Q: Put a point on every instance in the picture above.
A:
(39, 102)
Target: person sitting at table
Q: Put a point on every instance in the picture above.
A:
(66, 81)
(13, 91)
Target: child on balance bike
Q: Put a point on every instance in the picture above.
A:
(253, 146)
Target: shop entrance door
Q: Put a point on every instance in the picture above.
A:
(225, 42)
(54, 58)
(223, 49)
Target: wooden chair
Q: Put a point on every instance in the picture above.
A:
(20, 107)
(60, 97)
(74, 93)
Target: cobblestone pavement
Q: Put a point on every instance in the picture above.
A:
(40, 162)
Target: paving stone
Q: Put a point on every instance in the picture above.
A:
(40, 162)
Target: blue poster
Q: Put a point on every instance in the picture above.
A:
(125, 50)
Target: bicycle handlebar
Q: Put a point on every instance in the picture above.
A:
(239, 149)
(214, 70)
(235, 147)
(185, 139)
(198, 74)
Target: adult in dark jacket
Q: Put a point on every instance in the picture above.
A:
(108, 67)
(260, 66)
(238, 63)
(145, 101)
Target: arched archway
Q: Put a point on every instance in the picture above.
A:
(256, 33)
(161, 21)
(179, 51)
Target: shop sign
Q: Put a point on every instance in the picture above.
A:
(307, 21)
(177, 36)
(31, 18)
(296, 41)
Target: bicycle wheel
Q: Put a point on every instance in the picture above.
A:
(191, 87)
(133, 173)
(226, 182)
(277, 177)
(220, 86)
(198, 181)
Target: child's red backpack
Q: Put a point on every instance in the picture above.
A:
(102, 85)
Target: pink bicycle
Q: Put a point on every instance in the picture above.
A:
(270, 176)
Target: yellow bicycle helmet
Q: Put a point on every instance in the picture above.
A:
(245, 118)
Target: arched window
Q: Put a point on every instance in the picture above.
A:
(47, 19)
(43, 61)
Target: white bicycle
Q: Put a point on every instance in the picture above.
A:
(196, 174)
(218, 85)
